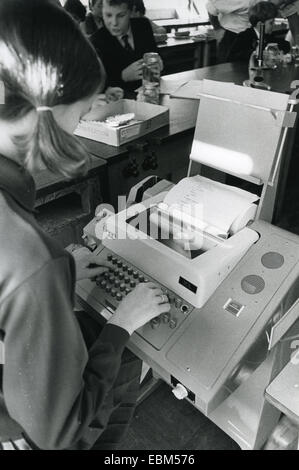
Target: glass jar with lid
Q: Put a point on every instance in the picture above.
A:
(151, 77)
(272, 56)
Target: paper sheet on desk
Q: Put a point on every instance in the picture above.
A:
(168, 86)
(193, 89)
(219, 204)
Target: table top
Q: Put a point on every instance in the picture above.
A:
(283, 392)
(173, 42)
(47, 182)
(183, 113)
(183, 22)
(280, 79)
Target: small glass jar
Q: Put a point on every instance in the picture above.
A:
(150, 94)
(272, 56)
(295, 55)
(151, 68)
(151, 78)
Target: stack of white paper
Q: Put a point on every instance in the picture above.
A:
(210, 206)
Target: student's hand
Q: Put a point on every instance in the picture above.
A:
(134, 72)
(87, 264)
(161, 64)
(114, 94)
(94, 114)
(146, 302)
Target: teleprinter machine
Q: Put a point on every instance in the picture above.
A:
(232, 279)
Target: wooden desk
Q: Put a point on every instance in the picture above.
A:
(65, 206)
(283, 392)
(170, 148)
(186, 54)
(171, 145)
(279, 80)
(177, 23)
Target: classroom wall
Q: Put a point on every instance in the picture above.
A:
(180, 5)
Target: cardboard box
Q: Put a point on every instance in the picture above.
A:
(148, 117)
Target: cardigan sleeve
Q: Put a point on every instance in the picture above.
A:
(52, 387)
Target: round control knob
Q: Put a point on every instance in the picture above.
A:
(135, 275)
(253, 284)
(109, 257)
(111, 279)
(133, 284)
(127, 279)
(119, 263)
(141, 278)
(108, 289)
(184, 309)
(155, 323)
(106, 276)
(128, 291)
(113, 292)
(125, 267)
(180, 392)
(121, 276)
(119, 297)
(166, 317)
(122, 287)
(103, 284)
(117, 283)
(173, 323)
(273, 260)
(114, 260)
(130, 271)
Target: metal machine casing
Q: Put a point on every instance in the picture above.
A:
(220, 350)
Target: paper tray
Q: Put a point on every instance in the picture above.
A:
(148, 117)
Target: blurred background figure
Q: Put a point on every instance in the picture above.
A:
(94, 18)
(290, 9)
(76, 9)
(229, 18)
(122, 43)
(139, 11)
(246, 42)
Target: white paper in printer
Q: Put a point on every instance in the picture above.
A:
(225, 209)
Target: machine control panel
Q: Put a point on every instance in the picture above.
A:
(114, 285)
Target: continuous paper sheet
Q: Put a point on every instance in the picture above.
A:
(220, 205)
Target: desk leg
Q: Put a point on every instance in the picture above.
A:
(208, 53)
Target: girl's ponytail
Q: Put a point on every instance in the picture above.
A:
(54, 148)
(45, 61)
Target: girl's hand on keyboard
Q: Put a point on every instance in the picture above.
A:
(142, 305)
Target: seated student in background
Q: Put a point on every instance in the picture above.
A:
(246, 42)
(121, 44)
(228, 18)
(290, 9)
(94, 18)
(139, 11)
